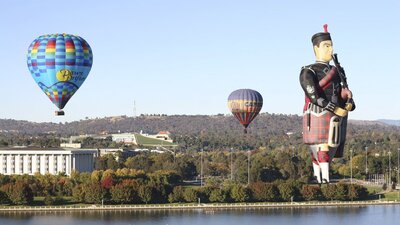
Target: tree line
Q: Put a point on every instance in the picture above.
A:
(130, 186)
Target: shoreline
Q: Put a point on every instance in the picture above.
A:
(202, 206)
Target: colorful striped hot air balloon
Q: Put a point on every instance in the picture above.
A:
(59, 64)
(245, 104)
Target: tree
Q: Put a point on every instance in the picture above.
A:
(264, 191)
(190, 195)
(186, 168)
(287, 191)
(311, 192)
(19, 193)
(96, 176)
(3, 196)
(146, 193)
(176, 195)
(218, 195)
(78, 193)
(48, 200)
(139, 162)
(107, 182)
(94, 193)
(329, 191)
(204, 193)
(341, 191)
(122, 193)
(356, 192)
(240, 193)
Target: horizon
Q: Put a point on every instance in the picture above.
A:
(161, 114)
(185, 58)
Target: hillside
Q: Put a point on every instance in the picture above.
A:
(264, 124)
(147, 141)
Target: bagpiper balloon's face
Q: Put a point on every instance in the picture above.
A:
(324, 51)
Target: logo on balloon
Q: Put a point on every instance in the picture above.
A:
(64, 75)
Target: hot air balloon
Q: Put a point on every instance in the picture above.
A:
(245, 104)
(59, 64)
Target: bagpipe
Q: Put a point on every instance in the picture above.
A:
(342, 74)
(350, 106)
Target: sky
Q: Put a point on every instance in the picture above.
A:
(185, 57)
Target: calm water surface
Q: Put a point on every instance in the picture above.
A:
(376, 215)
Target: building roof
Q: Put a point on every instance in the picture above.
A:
(48, 151)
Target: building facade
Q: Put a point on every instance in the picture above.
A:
(27, 161)
(127, 138)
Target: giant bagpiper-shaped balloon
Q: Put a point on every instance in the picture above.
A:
(59, 64)
(245, 104)
(327, 102)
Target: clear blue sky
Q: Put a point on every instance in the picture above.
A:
(186, 57)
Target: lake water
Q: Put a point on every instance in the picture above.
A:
(375, 215)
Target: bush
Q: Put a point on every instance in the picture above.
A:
(357, 192)
(264, 192)
(78, 193)
(19, 193)
(190, 195)
(240, 193)
(341, 192)
(3, 197)
(311, 192)
(94, 193)
(286, 191)
(48, 200)
(176, 195)
(218, 195)
(329, 191)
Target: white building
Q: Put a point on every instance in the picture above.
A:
(71, 145)
(26, 161)
(162, 135)
(127, 138)
(116, 152)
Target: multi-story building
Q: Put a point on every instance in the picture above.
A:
(127, 138)
(26, 161)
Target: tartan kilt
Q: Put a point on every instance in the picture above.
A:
(318, 120)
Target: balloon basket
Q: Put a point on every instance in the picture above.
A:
(59, 113)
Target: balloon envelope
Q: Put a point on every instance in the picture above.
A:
(59, 64)
(245, 104)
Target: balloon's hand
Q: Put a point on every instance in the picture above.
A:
(346, 94)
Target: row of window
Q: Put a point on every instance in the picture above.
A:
(37, 163)
(29, 164)
(63, 169)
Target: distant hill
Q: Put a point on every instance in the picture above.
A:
(390, 122)
(264, 124)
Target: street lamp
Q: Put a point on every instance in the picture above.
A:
(351, 166)
(390, 170)
(231, 163)
(293, 151)
(248, 167)
(398, 152)
(366, 162)
(201, 168)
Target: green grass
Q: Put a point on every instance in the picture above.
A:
(39, 201)
(392, 196)
(387, 196)
(374, 189)
(146, 141)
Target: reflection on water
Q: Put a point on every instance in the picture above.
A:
(379, 215)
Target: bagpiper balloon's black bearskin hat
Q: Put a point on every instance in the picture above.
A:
(322, 36)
